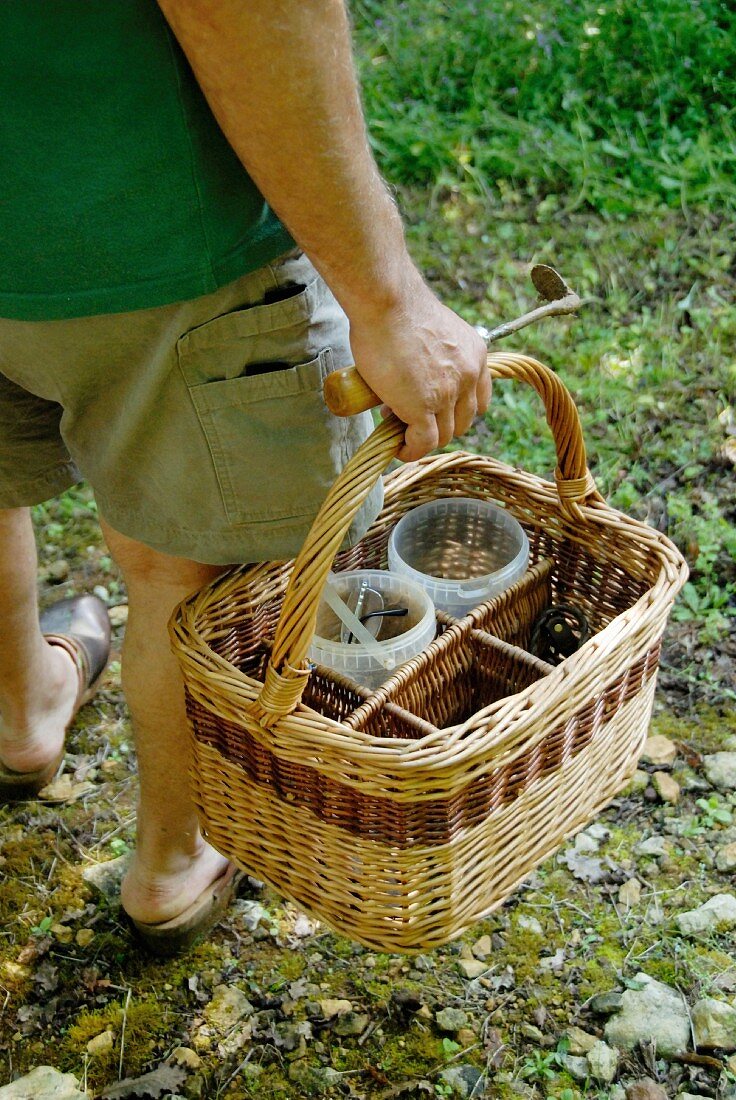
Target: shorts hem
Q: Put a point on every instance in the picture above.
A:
(263, 540)
(51, 484)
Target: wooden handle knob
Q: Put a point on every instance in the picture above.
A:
(347, 394)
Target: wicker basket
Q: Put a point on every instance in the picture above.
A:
(403, 816)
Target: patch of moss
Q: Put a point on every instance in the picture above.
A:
(705, 730)
(401, 1053)
(28, 852)
(288, 967)
(144, 1022)
(13, 900)
(270, 1084)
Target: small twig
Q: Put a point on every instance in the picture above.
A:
(236, 1071)
(122, 1035)
(696, 1060)
(124, 824)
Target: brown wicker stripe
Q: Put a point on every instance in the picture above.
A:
(432, 822)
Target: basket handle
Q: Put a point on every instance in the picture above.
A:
(347, 393)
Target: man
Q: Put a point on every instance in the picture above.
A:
(163, 336)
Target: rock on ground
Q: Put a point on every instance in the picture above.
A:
(630, 892)
(654, 1012)
(44, 1083)
(659, 750)
(718, 914)
(603, 1061)
(580, 1041)
(451, 1019)
(666, 787)
(726, 858)
(714, 1024)
(646, 1089)
(720, 770)
(106, 877)
(463, 1079)
(577, 1066)
(228, 1006)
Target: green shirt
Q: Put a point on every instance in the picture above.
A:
(118, 190)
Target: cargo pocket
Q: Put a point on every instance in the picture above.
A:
(275, 446)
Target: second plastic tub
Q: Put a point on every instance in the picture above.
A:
(461, 550)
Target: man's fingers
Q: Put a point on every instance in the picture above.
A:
(445, 426)
(419, 439)
(465, 412)
(483, 390)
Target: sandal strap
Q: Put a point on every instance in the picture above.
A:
(78, 654)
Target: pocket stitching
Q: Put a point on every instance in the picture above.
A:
(264, 317)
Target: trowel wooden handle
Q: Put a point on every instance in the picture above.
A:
(347, 394)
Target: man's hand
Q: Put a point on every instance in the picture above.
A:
(426, 364)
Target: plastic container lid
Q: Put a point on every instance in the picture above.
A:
(398, 640)
(462, 551)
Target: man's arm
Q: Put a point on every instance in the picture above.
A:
(280, 80)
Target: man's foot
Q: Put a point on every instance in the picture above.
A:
(152, 896)
(34, 741)
(77, 633)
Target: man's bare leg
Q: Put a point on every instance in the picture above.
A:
(38, 682)
(171, 864)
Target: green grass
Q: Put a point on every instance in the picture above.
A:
(603, 102)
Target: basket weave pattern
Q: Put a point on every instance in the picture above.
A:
(402, 816)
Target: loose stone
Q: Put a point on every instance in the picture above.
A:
(720, 770)
(646, 1089)
(451, 1019)
(714, 1024)
(228, 1006)
(718, 914)
(472, 968)
(726, 858)
(655, 1012)
(580, 1041)
(666, 787)
(43, 1083)
(463, 1079)
(530, 924)
(630, 893)
(603, 1061)
(659, 750)
(652, 846)
(482, 947)
(577, 1067)
(102, 1043)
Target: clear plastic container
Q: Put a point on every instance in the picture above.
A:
(397, 639)
(461, 550)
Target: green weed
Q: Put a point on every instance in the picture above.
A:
(602, 102)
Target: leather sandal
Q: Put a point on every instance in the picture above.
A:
(174, 936)
(81, 626)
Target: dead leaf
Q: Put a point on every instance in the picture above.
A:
(585, 868)
(160, 1082)
(407, 1088)
(47, 977)
(64, 789)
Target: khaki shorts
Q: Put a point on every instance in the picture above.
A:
(200, 425)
